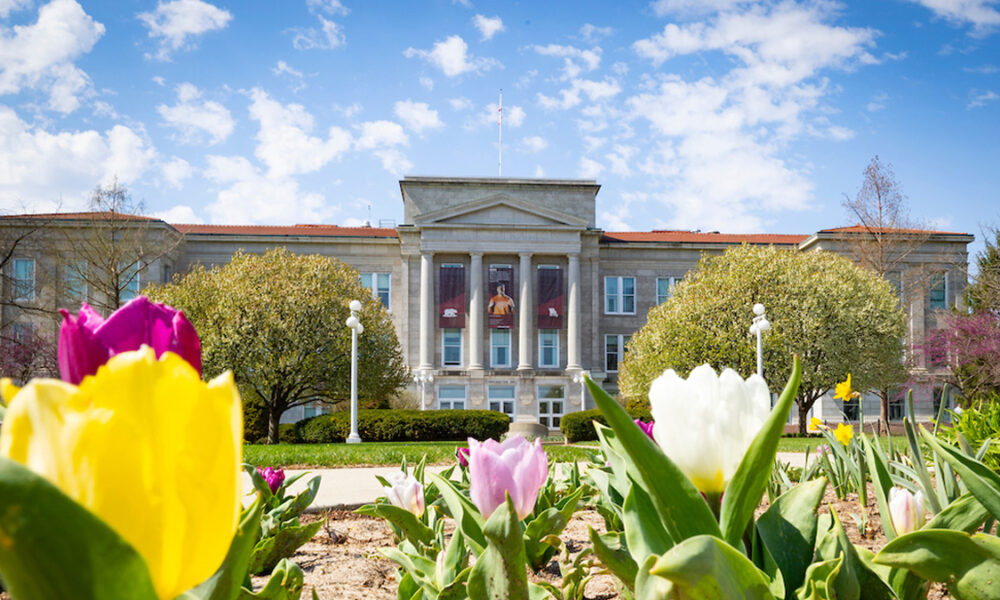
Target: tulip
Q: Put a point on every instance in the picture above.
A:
(705, 423)
(463, 456)
(516, 467)
(843, 433)
(273, 477)
(87, 341)
(646, 428)
(906, 510)
(147, 447)
(406, 493)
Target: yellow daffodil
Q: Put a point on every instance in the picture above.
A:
(843, 433)
(844, 391)
(815, 424)
(7, 390)
(149, 448)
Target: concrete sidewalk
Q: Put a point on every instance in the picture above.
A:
(350, 487)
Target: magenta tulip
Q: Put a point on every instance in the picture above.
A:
(646, 428)
(87, 340)
(463, 456)
(273, 477)
(515, 467)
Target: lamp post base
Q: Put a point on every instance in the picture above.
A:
(354, 439)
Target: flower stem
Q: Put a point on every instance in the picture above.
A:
(714, 500)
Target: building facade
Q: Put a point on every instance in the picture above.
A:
(505, 291)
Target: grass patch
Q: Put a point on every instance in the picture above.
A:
(373, 454)
(799, 444)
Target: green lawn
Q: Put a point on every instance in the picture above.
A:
(797, 444)
(374, 453)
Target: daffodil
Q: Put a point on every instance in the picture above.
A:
(844, 391)
(815, 424)
(146, 446)
(843, 433)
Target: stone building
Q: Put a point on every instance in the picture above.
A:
(503, 291)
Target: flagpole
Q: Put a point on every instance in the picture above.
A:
(500, 127)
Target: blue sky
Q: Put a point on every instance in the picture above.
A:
(730, 115)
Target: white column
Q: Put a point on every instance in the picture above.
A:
(525, 304)
(573, 315)
(426, 310)
(476, 311)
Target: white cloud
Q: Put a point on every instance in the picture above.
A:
(328, 37)
(589, 169)
(393, 161)
(488, 26)
(570, 97)
(427, 83)
(460, 103)
(40, 56)
(158, 80)
(981, 14)
(539, 172)
(620, 159)
(9, 6)
(349, 111)
(980, 98)
(181, 213)
(380, 134)
(284, 143)
(592, 33)
(283, 68)
(58, 170)
(513, 115)
(191, 118)
(330, 7)
(417, 116)
(664, 8)
(534, 143)
(575, 60)
(452, 57)
(176, 171)
(178, 20)
(877, 102)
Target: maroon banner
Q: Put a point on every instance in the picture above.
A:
(500, 309)
(451, 304)
(550, 299)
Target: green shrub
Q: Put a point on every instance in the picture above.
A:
(288, 434)
(404, 426)
(980, 422)
(254, 417)
(578, 426)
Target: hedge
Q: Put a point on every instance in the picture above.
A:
(404, 426)
(578, 426)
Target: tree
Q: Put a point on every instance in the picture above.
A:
(984, 293)
(968, 345)
(108, 254)
(887, 238)
(277, 321)
(837, 317)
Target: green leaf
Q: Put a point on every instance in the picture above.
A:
(552, 521)
(258, 483)
(705, 567)
(834, 543)
(51, 547)
(285, 583)
(464, 512)
(413, 529)
(499, 572)
(820, 580)
(747, 487)
(882, 482)
(983, 483)
(874, 579)
(970, 565)
(225, 584)
(644, 531)
(966, 514)
(788, 530)
(610, 549)
(269, 551)
(649, 586)
(679, 503)
(919, 466)
(303, 499)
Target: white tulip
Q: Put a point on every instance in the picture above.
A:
(906, 510)
(705, 423)
(406, 493)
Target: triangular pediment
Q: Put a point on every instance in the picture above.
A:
(500, 209)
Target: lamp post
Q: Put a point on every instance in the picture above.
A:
(578, 377)
(356, 329)
(759, 326)
(423, 378)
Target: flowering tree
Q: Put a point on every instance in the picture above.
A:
(969, 345)
(838, 317)
(25, 354)
(277, 321)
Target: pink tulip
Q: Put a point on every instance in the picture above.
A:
(463, 456)
(273, 477)
(646, 428)
(87, 340)
(406, 492)
(516, 467)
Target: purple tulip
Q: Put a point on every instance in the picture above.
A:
(646, 428)
(516, 467)
(463, 456)
(87, 340)
(273, 477)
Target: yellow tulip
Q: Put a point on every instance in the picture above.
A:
(844, 433)
(149, 448)
(7, 390)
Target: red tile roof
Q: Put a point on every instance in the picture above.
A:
(287, 230)
(80, 216)
(613, 237)
(859, 228)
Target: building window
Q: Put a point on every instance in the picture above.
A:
(939, 291)
(499, 348)
(852, 409)
(24, 279)
(451, 397)
(314, 409)
(551, 399)
(76, 281)
(548, 348)
(895, 279)
(614, 351)
(896, 410)
(619, 295)
(378, 284)
(501, 399)
(129, 281)
(451, 347)
(664, 288)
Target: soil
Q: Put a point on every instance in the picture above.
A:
(343, 561)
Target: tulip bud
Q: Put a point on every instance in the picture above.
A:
(463, 456)
(906, 510)
(87, 341)
(646, 428)
(515, 467)
(273, 477)
(406, 493)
